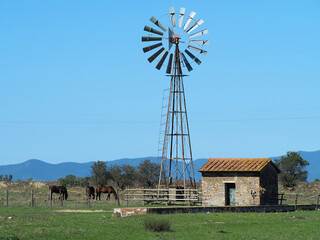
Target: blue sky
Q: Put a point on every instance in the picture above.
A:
(76, 86)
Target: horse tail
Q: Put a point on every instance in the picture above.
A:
(115, 193)
(66, 194)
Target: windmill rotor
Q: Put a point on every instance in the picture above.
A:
(177, 42)
(180, 28)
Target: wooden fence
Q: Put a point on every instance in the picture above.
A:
(32, 197)
(163, 196)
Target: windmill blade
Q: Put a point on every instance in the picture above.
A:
(148, 39)
(152, 30)
(197, 24)
(156, 22)
(191, 16)
(155, 55)
(182, 11)
(170, 37)
(169, 64)
(186, 62)
(203, 32)
(198, 50)
(173, 18)
(159, 65)
(199, 42)
(193, 57)
(147, 49)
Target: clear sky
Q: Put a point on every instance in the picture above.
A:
(76, 86)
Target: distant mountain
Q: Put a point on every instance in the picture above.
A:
(41, 171)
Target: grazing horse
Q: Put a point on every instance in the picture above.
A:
(90, 192)
(106, 189)
(59, 189)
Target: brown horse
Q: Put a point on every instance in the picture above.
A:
(105, 189)
(90, 192)
(59, 189)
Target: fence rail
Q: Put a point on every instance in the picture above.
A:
(163, 195)
(11, 197)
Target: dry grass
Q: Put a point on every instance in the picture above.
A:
(20, 195)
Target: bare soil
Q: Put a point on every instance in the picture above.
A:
(80, 211)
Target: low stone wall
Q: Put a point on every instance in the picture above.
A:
(124, 212)
(268, 208)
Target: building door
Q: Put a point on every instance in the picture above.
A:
(230, 193)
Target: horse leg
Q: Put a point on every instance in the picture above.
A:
(108, 197)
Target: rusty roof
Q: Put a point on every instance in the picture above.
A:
(236, 165)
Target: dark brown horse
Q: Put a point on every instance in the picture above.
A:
(106, 189)
(90, 192)
(59, 189)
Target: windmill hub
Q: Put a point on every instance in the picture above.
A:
(176, 38)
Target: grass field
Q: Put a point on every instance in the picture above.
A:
(46, 223)
(21, 221)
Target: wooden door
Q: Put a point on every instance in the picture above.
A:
(230, 194)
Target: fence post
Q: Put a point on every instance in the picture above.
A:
(88, 199)
(61, 200)
(127, 196)
(296, 203)
(50, 197)
(118, 197)
(143, 197)
(32, 203)
(281, 199)
(7, 197)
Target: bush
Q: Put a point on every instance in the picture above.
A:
(157, 225)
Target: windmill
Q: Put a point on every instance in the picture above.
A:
(178, 40)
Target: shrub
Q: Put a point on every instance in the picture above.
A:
(157, 225)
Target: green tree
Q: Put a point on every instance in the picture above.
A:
(123, 176)
(100, 173)
(148, 173)
(62, 182)
(317, 180)
(71, 180)
(80, 181)
(292, 169)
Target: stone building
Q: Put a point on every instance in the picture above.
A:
(239, 182)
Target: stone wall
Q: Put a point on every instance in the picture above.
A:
(246, 186)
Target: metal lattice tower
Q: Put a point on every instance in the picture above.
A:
(176, 161)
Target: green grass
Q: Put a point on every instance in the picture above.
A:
(44, 223)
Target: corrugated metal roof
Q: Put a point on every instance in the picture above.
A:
(235, 164)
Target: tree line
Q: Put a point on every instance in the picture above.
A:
(145, 175)
(292, 167)
(6, 178)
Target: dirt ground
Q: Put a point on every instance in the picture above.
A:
(79, 211)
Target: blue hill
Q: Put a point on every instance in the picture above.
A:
(41, 171)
